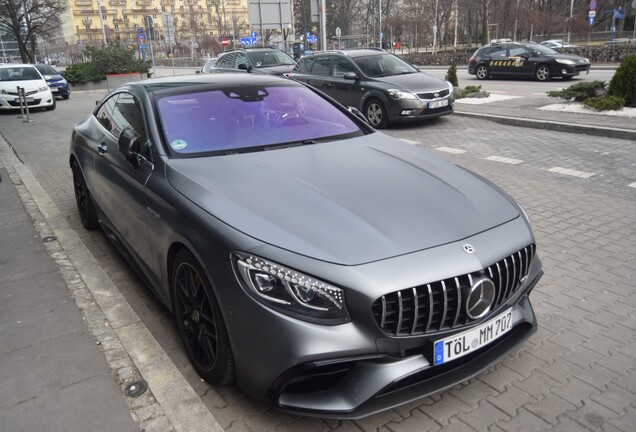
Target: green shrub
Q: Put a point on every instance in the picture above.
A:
(451, 75)
(580, 91)
(623, 84)
(470, 91)
(605, 103)
(113, 59)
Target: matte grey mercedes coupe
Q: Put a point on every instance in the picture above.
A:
(325, 267)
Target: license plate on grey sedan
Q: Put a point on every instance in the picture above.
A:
(437, 104)
(461, 344)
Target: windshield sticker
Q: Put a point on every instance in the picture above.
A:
(178, 144)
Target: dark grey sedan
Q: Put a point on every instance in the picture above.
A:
(381, 85)
(325, 267)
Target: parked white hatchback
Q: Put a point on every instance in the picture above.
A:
(36, 91)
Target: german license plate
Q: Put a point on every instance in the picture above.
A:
(461, 344)
(29, 99)
(438, 104)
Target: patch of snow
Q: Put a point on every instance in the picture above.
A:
(579, 108)
(489, 99)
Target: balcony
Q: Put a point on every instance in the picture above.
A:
(144, 2)
(83, 3)
(117, 2)
(85, 12)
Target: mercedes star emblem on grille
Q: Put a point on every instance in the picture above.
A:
(468, 248)
(480, 298)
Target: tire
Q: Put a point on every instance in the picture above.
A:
(66, 96)
(482, 72)
(51, 107)
(376, 114)
(200, 322)
(543, 73)
(85, 206)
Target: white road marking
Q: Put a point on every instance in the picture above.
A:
(504, 160)
(451, 150)
(571, 172)
(410, 141)
(632, 185)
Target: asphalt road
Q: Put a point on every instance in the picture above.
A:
(576, 373)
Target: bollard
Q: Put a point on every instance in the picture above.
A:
(21, 106)
(26, 107)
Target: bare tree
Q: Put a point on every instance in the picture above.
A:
(28, 19)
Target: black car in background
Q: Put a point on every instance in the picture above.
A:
(55, 80)
(384, 87)
(270, 61)
(529, 60)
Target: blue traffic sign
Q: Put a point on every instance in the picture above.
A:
(141, 36)
(142, 46)
(253, 34)
(248, 41)
(591, 20)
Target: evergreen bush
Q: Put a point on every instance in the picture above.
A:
(580, 91)
(605, 103)
(113, 59)
(451, 75)
(623, 84)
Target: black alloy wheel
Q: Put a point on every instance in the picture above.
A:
(200, 321)
(376, 114)
(482, 72)
(85, 206)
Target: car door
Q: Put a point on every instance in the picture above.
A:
(497, 56)
(517, 62)
(120, 187)
(225, 63)
(318, 74)
(347, 91)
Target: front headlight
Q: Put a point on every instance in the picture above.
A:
(398, 94)
(564, 61)
(451, 89)
(43, 88)
(289, 291)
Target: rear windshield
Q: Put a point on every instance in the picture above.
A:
(250, 118)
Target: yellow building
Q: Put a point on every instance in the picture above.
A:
(120, 20)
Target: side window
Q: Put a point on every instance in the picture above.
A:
(517, 51)
(105, 114)
(240, 59)
(497, 53)
(321, 66)
(341, 66)
(300, 66)
(227, 61)
(128, 114)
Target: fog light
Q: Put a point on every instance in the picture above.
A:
(406, 112)
(563, 71)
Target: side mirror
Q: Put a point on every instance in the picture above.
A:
(350, 76)
(356, 112)
(196, 72)
(245, 67)
(129, 146)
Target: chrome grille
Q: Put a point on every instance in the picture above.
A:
(439, 305)
(431, 95)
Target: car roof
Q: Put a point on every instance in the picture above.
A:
(352, 52)
(13, 65)
(218, 80)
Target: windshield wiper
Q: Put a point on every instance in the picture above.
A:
(290, 144)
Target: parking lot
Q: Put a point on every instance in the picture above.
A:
(576, 373)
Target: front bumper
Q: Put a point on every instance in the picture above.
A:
(564, 70)
(35, 99)
(406, 111)
(355, 369)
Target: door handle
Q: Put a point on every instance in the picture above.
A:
(102, 148)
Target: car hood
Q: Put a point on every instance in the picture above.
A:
(415, 82)
(347, 202)
(574, 58)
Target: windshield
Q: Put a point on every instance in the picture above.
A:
(19, 73)
(540, 49)
(250, 118)
(263, 59)
(382, 65)
(46, 70)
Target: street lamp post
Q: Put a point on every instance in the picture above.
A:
(101, 21)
